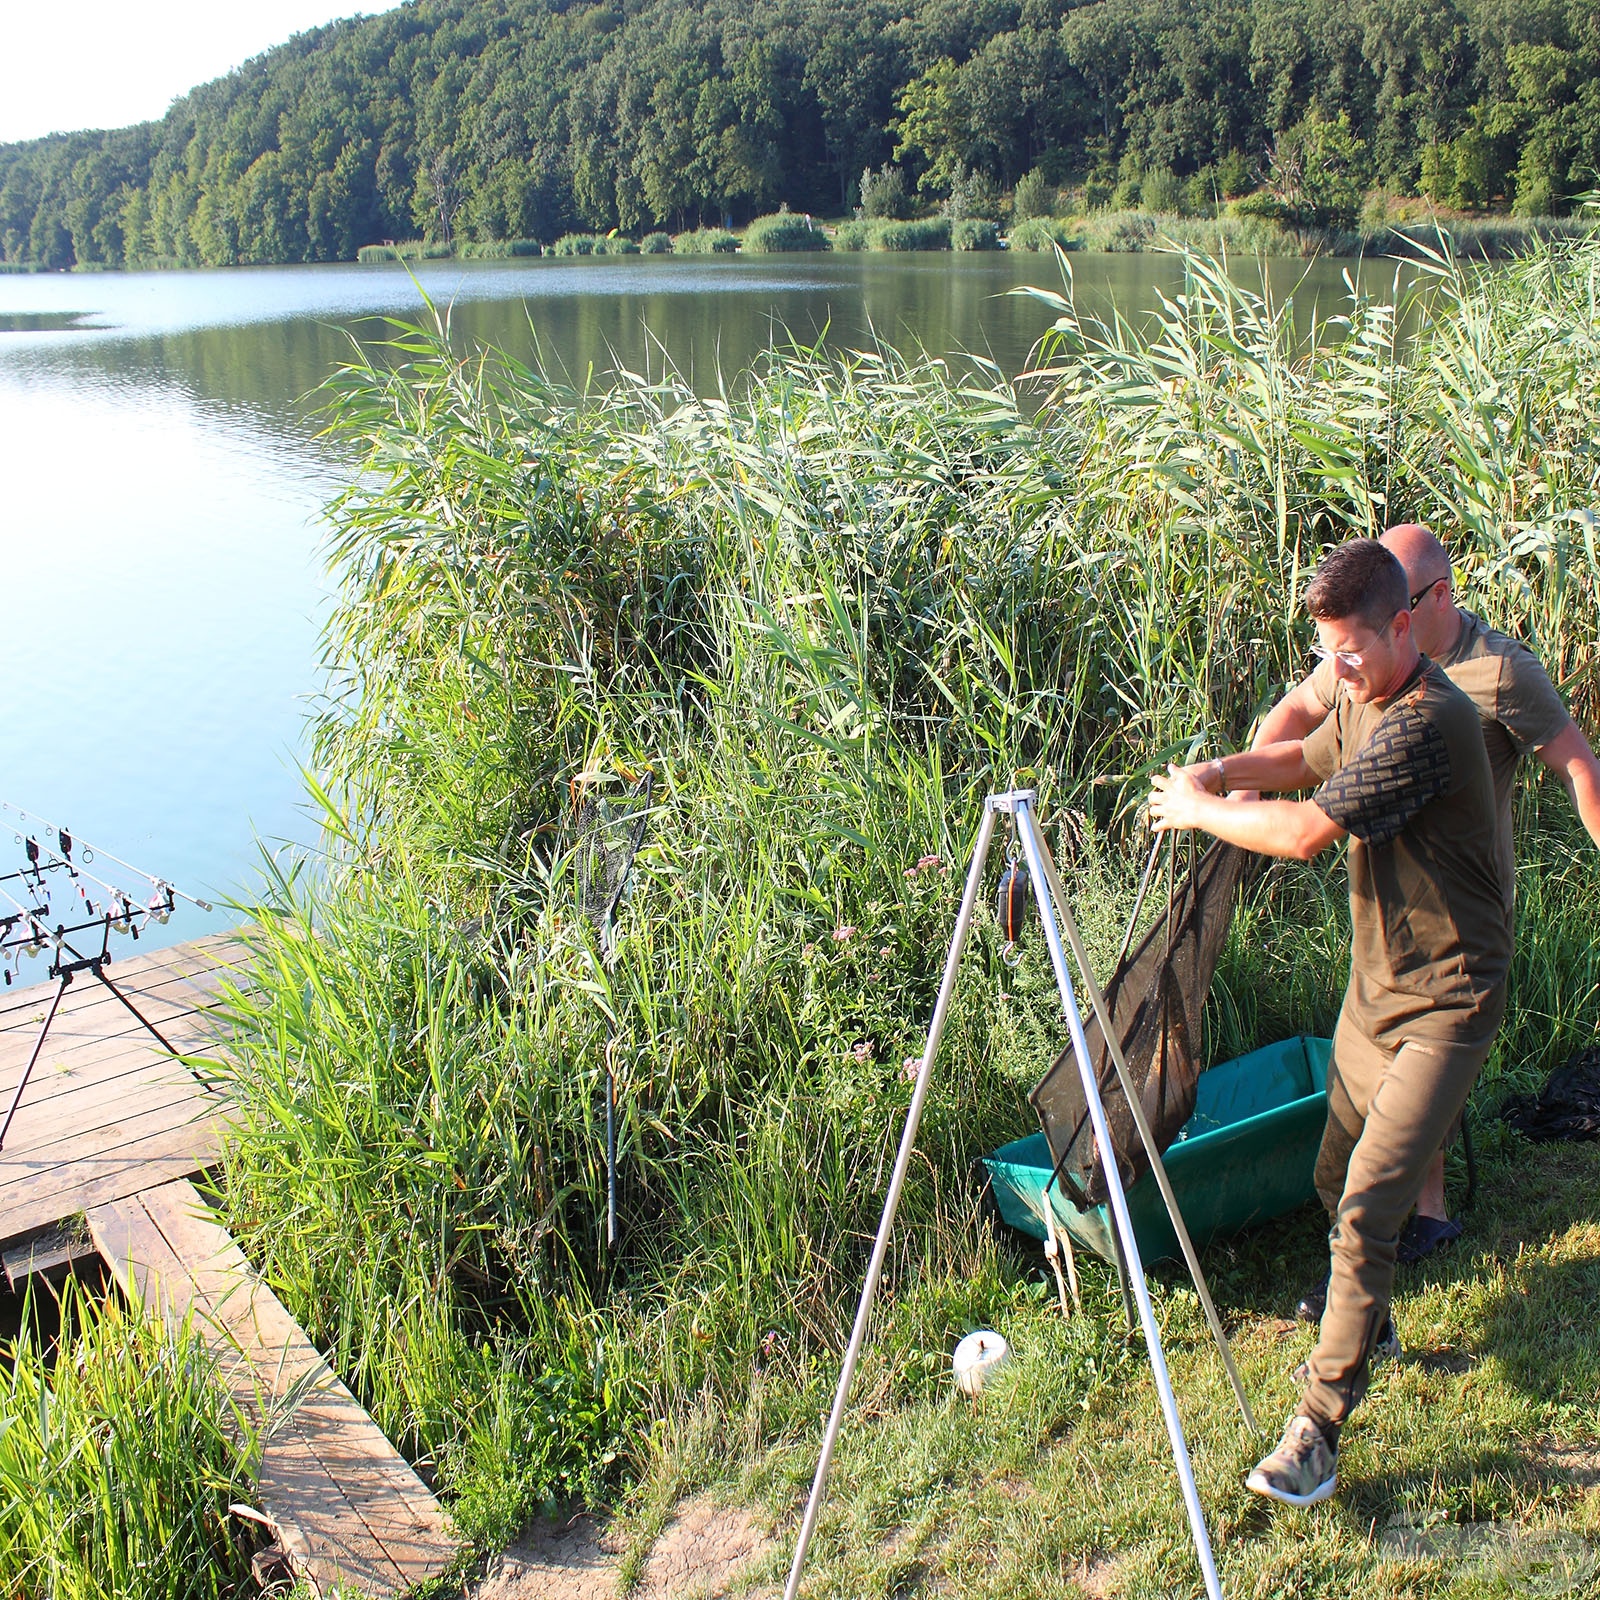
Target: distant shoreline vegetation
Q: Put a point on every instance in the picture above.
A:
(483, 121)
(1489, 238)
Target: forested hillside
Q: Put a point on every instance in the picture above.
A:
(488, 119)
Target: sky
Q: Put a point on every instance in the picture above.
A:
(106, 63)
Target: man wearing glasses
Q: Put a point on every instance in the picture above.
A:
(1521, 712)
(1400, 770)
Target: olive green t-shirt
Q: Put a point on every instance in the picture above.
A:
(1520, 708)
(1408, 778)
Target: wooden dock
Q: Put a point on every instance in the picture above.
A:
(346, 1508)
(105, 1113)
(111, 1128)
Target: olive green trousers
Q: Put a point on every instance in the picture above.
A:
(1392, 1102)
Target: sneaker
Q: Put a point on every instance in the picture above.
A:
(1302, 1470)
(1423, 1235)
(1313, 1303)
(1386, 1347)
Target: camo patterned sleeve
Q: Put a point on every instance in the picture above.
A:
(1403, 766)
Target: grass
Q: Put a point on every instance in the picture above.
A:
(830, 608)
(119, 1457)
(1060, 1480)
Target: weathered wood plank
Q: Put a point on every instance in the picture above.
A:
(44, 1251)
(46, 1194)
(347, 1507)
(91, 1024)
(118, 1125)
(54, 1097)
(180, 962)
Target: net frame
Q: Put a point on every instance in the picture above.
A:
(609, 831)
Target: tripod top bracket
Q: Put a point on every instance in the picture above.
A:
(1008, 803)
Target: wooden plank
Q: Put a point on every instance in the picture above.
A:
(46, 1251)
(118, 1125)
(54, 1096)
(295, 1488)
(390, 1497)
(48, 1195)
(347, 1507)
(103, 1016)
(179, 962)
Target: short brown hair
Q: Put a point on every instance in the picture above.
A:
(1358, 579)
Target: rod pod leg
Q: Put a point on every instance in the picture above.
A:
(38, 1045)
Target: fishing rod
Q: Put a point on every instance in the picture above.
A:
(90, 852)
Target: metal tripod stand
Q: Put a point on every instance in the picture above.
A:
(1020, 806)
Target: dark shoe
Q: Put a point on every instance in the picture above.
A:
(1302, 1470)
(1313, 1303)
(1423, 1235)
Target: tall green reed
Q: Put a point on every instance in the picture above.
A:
(120, 1453)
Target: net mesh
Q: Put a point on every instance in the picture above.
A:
(609, 829)
(1155, 998)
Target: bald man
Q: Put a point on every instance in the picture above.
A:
(1521, 712)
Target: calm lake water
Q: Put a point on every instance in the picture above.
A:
(163, 484)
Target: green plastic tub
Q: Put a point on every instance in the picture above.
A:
(1246, 1155)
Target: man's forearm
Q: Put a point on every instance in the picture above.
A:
(1570, 757)
(1277, 768)
(1295, 830)
(1583, 788)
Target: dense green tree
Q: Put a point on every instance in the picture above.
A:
(532, 118)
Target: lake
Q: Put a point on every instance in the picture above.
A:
(164, 481)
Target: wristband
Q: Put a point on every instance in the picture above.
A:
(1222, 780)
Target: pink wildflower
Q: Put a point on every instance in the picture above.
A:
(844, 935)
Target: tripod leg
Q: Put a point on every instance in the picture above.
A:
(880, 1249)
(1027, 830)
(27, 1071)
(1158, 1167)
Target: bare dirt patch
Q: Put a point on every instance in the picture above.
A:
(1098, 1577)
(1577, 1463)
(700, 1554)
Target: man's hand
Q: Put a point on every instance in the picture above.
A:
(1173, 795)
(1208, 774)
(1298, 829)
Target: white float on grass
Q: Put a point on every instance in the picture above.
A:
(977, 1359)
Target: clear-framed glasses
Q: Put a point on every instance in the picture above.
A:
(1425, 590)
(1354, 659)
